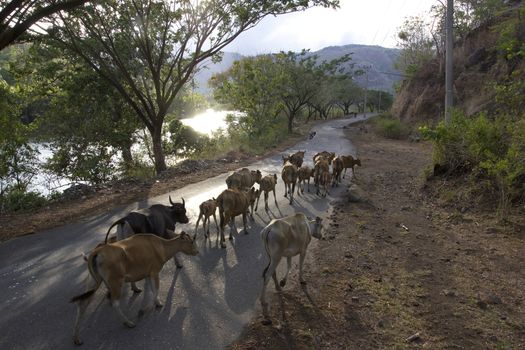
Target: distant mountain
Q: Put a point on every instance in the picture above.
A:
(380, 60)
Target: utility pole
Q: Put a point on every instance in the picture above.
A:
(366, 90)
(449, 79)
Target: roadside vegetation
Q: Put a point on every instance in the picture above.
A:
(482, 151)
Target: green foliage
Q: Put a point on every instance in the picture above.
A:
(416, 43)
(511, 32)
(18, 199)
(390, 128)
(184, 140)
(82, 162)
(485, 149)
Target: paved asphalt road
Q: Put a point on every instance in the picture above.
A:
(207, 303)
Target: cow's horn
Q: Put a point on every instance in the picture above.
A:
(183, 202)
(171, 202)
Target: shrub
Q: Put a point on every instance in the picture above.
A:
(390, 128)
(484, 149)
(16, 200)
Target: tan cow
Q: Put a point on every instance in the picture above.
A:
(138, 257)
(350, 162)
(296, 158)
(324, 183)
(329, 156)
(266, 185)
(320, 167)
(207, 209)
(289, 176)
(231, 203)
(243, 179)
(337, 169)
(303, 175)
(288, 237)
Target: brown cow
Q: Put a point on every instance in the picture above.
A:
(321, 166)
(266, 185)
(337, 169)
(289, 176)
(304, 174)
(324, 183)
(243, 179)
(207, 209)
(329, 156)
(350, 162)
(296, 158)
(233, 202)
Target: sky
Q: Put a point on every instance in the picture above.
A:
(369, 22)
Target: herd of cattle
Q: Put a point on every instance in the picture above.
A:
(146, 239)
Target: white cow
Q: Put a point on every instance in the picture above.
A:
(287, 237)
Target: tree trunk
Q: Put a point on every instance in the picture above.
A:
(127, 158)
(158, 152)
(290, 122)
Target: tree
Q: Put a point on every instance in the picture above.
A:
(148, 50)
(416, 44)
(347, 93)
(252, 86)
(77, 112)
(17, 16)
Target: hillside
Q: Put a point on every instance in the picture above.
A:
(479, 63)
(379, 59)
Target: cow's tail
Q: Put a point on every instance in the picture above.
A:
(93, 271)
(121, 221)
(265, 233)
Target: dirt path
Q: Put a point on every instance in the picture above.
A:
(402, 265)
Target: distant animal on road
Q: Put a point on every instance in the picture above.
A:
(288, 237)
(311, 135)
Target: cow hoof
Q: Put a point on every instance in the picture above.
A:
(180, 266)
(77, 341)
(136, 290)
(266, 322)
(223, 245)
(283, 283)
(130, 324)
(246, 232)
(303, 283)
(230, 238)
(158, 306)
(140, 315)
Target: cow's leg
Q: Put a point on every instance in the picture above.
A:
(197, 225)
(308, 184)
(288, 267)
(148, 295)
(81, 310)
(286, 189)
(257, 202)
(344, 173)
(215, 220)
(244, 223)
(266, 195)
(302, 255)
(156, 292)
(115, 289)
(275, 199)
(270, 271)
(222, 225)
(293, 189)
(206, 226)
(125, 231)
(233, 227)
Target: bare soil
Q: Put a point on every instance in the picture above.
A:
(409, 267)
